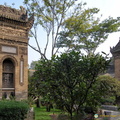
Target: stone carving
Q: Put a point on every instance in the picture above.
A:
(13, 32)
(13, 42)
(13, 13)
(23, 10)
(30, 21)
(23, 50)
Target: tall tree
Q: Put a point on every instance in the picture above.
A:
(84, 31)
(49, 14)
(69, 79)
(68, 23)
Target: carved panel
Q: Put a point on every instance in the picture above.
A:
(12, 32)
(13, 42)
(23, 50)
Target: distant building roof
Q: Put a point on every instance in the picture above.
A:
(115, 50)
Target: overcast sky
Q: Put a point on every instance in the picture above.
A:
(107, 8)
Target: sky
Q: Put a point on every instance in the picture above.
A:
(107, 8)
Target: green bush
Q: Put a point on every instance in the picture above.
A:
(13, 110)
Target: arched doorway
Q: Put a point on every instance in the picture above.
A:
(8, 82)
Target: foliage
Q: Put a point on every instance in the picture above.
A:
(34, 92)
(49, 14)
(103, 91)
(104, 81)
(68, 24)
(68, 80)
(84, 31)
(13, 110)
(108, 87)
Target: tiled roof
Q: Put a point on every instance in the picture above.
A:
(116, 48)
(14, 14)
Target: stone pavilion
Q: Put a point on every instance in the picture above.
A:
(14, 29)
(116, 55)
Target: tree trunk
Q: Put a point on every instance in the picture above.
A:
(48, 107)
(38, 102)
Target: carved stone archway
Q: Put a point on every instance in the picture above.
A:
(10, 57)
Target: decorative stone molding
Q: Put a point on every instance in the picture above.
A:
(12, 58)
(13, 42)
(12, 32)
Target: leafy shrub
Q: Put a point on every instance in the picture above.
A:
(13, 110)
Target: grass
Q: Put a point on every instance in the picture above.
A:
(42, 114)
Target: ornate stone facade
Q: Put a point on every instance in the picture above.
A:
(14, 28)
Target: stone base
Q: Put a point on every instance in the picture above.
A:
(21, 95)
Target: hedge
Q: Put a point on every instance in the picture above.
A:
(13, 110)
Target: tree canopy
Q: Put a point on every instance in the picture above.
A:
(68, 24)
(84, 31)
(49, 14)
(71, 80)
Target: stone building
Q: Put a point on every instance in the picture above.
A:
(14, 28)
(116, 56)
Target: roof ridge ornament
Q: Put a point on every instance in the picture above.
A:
(12, 13)
(115, 50)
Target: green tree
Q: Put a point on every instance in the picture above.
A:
(49, 14)
(68, 23)
(84, 31)
(104, 91)
(108, 87)
(68, 80)
(37, 86)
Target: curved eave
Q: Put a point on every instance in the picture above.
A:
(12, 17)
